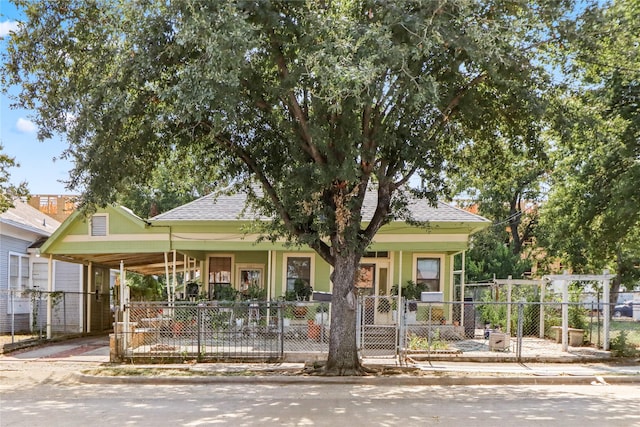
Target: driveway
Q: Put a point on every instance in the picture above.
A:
(54, 363)
(86, 349)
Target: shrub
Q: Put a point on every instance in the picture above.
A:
(621, 347)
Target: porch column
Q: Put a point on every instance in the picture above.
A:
(462, 274)
(399, 279)
(270, 292)
(124, 299)
(186, 267)
(174, 278)
(122, 286)
(49, 302)
(166, 276)
(88, 299)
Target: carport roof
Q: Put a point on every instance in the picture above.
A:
(142, 263)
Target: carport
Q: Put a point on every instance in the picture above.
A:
(124, 243)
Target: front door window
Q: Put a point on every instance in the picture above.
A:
(366, 279)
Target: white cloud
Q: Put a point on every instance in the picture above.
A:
(26, 126)
(7, 26)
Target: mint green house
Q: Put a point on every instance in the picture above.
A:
(209, 241)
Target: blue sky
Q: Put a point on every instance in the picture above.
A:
(18, 134)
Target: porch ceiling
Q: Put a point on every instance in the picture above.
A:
(142, 263)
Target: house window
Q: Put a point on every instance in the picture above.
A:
(365, 279)
(251, 282)
(220, 278)
(428, 273)
(99, 225)
(220, 270)
(298, 267)
(18, 272)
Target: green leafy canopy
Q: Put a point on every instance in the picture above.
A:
(8, 191)
(313, 100)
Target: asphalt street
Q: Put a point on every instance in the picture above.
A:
(56, 385)
(76, 356)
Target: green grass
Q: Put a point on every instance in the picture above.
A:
(631, 327)
(163, 372)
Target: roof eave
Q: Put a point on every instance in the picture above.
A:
(25, 227)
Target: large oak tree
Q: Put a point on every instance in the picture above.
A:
(592, 216)
(9, 191)
(315, 101)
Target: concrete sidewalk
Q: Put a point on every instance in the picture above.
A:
(441, 374)
(92, 354)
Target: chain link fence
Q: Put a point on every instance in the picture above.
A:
(521, 329)
(209, 331)
(387, 327)
(23, 314)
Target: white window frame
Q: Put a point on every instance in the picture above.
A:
(106, 225)
(312, 267)
(231, 267)
(19, 304)
(241, 267)
(439, 257)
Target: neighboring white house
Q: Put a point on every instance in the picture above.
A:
(22, 229)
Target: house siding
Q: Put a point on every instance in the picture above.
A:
(21, 321)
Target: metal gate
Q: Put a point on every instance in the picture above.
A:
(379, 324)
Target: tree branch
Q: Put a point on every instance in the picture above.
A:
(451, 107)
(321, 247)
(294, 106)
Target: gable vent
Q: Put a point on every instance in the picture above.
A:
(99, 225)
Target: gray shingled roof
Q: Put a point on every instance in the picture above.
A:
(225, 207)
(26, 217)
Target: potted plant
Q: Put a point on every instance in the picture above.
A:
(256, 292)
(224, 292)
(302, 289)
(302, 292)
(192, 289)
(287, 315)
(313, 330)
(411, 291)
(322, 313)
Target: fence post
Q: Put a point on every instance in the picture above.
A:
(520, 331)
(402, 336)
(359, 322)
(509, 291)
(607, 310)
(429, 331)
(13, 322)
(598, 312)
(38, 314)
(281, 307)
(199, 328)
(64, 311)
(565, 314)
(542, 307)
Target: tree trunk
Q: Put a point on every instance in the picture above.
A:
(343, 352)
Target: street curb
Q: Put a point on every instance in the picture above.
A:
(451, 380)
